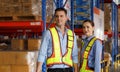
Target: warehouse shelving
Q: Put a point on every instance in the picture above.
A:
(14, 28)
(114, 30)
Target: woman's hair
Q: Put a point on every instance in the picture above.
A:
(91, 22)
(61, 9)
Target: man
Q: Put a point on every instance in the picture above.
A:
(59, 47)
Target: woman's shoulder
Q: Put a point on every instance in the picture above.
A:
(99, 40)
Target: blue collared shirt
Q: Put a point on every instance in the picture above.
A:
(94, 58)
(46, 48)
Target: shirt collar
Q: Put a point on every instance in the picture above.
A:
(89, 38)
(59, 29)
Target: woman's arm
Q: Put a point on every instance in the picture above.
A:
(98, 55)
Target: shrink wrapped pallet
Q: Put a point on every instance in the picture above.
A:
(22, 10)
(107, 16)
(18, 61)
(26, 57)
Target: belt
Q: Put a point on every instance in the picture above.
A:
(70, 69)
(89, 68)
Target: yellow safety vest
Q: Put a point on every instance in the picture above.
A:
(84, 66)
(56, 57)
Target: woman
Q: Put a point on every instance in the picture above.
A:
(91, 49)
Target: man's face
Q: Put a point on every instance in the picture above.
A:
(60, 18)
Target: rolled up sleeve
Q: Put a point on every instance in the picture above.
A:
(43, 47)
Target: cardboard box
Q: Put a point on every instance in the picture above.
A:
(34, 44)
(107, 16)
(119, 20)
(6, 9)
(18, 44)
(11, 1)
(3, 47)
(18, 57)
(16, 10)
(108, 45)
(5, 68)
(26, 57)
(5, 1)
(29, 1)
(1, 58)
(23, 68)
(15, 1)
(7, 58)
(27, 9)
(1, 9)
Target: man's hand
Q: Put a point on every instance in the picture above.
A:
(75, 67)
(39, 67)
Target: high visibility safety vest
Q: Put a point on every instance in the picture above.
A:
(84, 66)
(56, 57)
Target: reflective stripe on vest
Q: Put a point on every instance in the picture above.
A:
(84, 67)
(56, 57)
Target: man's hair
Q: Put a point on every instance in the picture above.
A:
(61, 9)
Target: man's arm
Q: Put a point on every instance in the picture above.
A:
(39, 67)
(42, 51)
(75, 55)
(75, 67)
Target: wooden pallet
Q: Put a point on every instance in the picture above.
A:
(20, 18)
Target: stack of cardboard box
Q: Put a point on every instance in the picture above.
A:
(22, 57)
(17, 8)
(107, 16)
(119, 19)
(10, 7)
(25, 44)
(21, 61)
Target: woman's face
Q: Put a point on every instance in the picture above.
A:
(88, 29)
